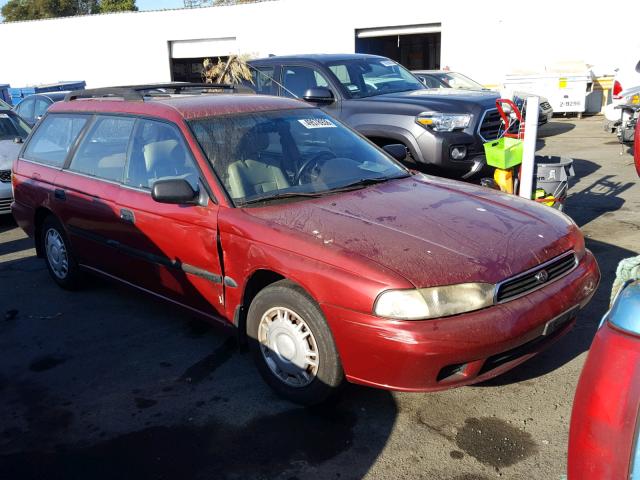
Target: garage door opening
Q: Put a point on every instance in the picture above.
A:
(417, 47)
(186, 56)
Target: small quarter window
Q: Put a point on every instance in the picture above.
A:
(54, 138)
(103, 151)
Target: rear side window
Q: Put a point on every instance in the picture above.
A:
(263, 80)
(103, 151)
(54, 138)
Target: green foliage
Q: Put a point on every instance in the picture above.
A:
(15, 10)
(118, 6)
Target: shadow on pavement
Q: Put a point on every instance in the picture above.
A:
(579, 339)
(588, 202)
(552, 129)
(7, 223)
(119, 395)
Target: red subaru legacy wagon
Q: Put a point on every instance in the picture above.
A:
(332, 259)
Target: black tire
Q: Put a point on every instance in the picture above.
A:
(69, 279)
(329, 376)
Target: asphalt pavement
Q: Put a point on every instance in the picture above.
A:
(107, 383)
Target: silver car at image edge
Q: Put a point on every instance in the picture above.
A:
(13, 131)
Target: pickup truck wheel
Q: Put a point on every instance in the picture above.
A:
(292, 345)
(58, 255)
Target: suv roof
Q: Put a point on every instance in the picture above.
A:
(320, 58)
(138, 100)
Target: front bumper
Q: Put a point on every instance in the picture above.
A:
(435, 149)
(431, 355)
(6, 197)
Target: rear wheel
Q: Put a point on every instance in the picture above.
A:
(58, 255)
(292, 345)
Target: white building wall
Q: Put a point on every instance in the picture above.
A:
(485, 40)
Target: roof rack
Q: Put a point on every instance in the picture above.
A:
(137, 93)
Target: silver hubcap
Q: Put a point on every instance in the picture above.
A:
(56, 254)
(288, 347)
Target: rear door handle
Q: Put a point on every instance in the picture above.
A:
(59, 194)
(127, 215)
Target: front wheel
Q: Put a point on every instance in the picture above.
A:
(58, 255)
(292, 345)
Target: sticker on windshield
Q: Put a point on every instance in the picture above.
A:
(388, 63)
(317, 123)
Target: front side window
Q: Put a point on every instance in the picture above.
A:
(53, 139)
(297, 80)
(42, 105)
(12, 126)
(268, 155)
(103, 151)
(367, 77)
(158, 151)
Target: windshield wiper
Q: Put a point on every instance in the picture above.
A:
(365, 182)
(277, 196)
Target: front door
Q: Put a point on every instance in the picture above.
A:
(297, 79)
(171, 250)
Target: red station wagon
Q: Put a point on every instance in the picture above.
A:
(332, 259)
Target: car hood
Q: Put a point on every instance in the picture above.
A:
(431, 231)
(441, 99)
(8, 153)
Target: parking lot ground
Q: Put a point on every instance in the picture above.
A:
(106, 383)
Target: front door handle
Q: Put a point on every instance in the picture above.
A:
(127, 215)
(60, 194)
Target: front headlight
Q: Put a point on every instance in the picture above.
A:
(444, 122)
(434, 302)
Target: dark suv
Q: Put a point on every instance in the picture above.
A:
(332, 259)
(388, 104)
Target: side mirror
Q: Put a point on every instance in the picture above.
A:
(173, 190)
(318, 95)
(18, 140)
(396, 150)
(638, 67)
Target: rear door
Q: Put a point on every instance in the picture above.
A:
(171, 250)
(43, 158)
(88, 189)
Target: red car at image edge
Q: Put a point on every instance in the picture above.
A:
(604, 438)
(332, 259)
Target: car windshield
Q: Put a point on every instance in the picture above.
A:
(367, 77)
(264, 156)
(457, 80)
(12, 126)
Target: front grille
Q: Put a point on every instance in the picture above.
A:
(5, 176)
(536, 278)
(490, 126)
(5, 205)
(531, 346)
